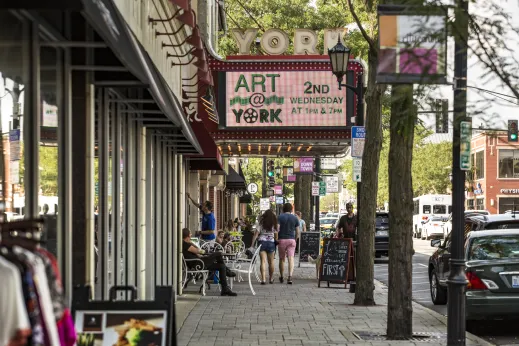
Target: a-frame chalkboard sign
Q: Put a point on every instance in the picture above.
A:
(336, 261)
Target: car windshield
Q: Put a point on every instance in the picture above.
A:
(327, 221)
(503, 224)
(494, 247)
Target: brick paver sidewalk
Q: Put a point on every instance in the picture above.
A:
(298, 314)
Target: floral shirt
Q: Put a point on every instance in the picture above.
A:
(266, 235)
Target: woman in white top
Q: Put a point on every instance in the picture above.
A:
(267, 234)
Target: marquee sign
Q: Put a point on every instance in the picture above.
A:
(284, 99)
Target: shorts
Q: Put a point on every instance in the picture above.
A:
(267, 246)
(286, 247)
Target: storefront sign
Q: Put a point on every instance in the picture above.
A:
(304, 165)
(510, 191)
(121, 327)
(275, 41)
(284, 99)
(413, 46)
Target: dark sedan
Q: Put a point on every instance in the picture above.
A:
(492, 271)
(382, 234)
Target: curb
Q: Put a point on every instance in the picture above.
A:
(438, 316)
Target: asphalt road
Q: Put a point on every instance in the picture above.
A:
(496, 332)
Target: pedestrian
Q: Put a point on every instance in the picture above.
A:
(288, 235)
(229, 227)
(267, 234)
(348, 223)
(302, 223)
(213, 261)
(208, 220)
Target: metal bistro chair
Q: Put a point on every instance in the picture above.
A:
(250, 269)
(197, 268)
(211, 247)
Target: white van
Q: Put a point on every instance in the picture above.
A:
(427, 205)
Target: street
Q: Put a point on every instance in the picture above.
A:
(496, 332)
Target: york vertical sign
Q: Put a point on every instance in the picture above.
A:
(465, 137)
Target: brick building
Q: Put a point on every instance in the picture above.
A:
(493, 183)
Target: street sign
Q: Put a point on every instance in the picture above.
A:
(322, 188)
(264, 204)
(278, 189)
(329, 163)
(315, 188)
(465, 137)
(252, 188)
(358, 135)
(280, 200)
(357, 170)
(332, 184)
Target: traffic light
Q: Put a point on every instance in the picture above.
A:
(512, 130)
(271, 173)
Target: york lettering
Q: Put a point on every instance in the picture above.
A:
(252, 116)
(275, 41)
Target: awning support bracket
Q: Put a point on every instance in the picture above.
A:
(157, 33)
(183, 63)
(168, 55)
(153, 21)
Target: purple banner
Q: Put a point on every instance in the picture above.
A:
(304, 165)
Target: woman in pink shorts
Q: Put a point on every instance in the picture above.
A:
(287, 237)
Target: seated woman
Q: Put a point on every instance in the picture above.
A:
(212, 261)
(223, 238)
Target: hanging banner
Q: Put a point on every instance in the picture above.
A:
(304, 165)
(288, 174)
(412, 45)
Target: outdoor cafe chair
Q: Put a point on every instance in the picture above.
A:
(251, 268)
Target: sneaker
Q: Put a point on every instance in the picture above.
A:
(289, 281)
(281, 279)
(227, 292)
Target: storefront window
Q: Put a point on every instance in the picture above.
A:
(508, 163)
(13, 78)
(508, 204)
(470, 204)
(480, 203)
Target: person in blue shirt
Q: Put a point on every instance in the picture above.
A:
(288, 225)
(208, 220)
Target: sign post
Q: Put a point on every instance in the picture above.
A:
(358, 137)
(264, 204)
(252, 188)
(322, 188)
(357, 170)
(466, 134)
(315, 188)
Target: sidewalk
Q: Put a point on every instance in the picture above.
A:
(299, 314)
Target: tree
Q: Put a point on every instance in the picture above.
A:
(364, 293)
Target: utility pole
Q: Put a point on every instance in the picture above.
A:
(265, 178)
(457, 281)
(317, 198)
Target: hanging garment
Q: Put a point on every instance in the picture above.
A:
(15, 328)
(43, 292)
(65, 323)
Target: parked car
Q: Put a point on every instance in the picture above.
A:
(433, 228)
(327, 224)
(447, 226)
(492, 271)
(382, 234)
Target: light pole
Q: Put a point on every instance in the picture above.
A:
(340, 60)
(457, 281)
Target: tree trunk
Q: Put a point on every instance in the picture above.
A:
(303, 196)
(400, 309)
(364, 294)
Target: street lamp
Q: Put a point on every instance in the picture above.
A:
(278, 170)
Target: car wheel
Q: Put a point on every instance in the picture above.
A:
(438, 293)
